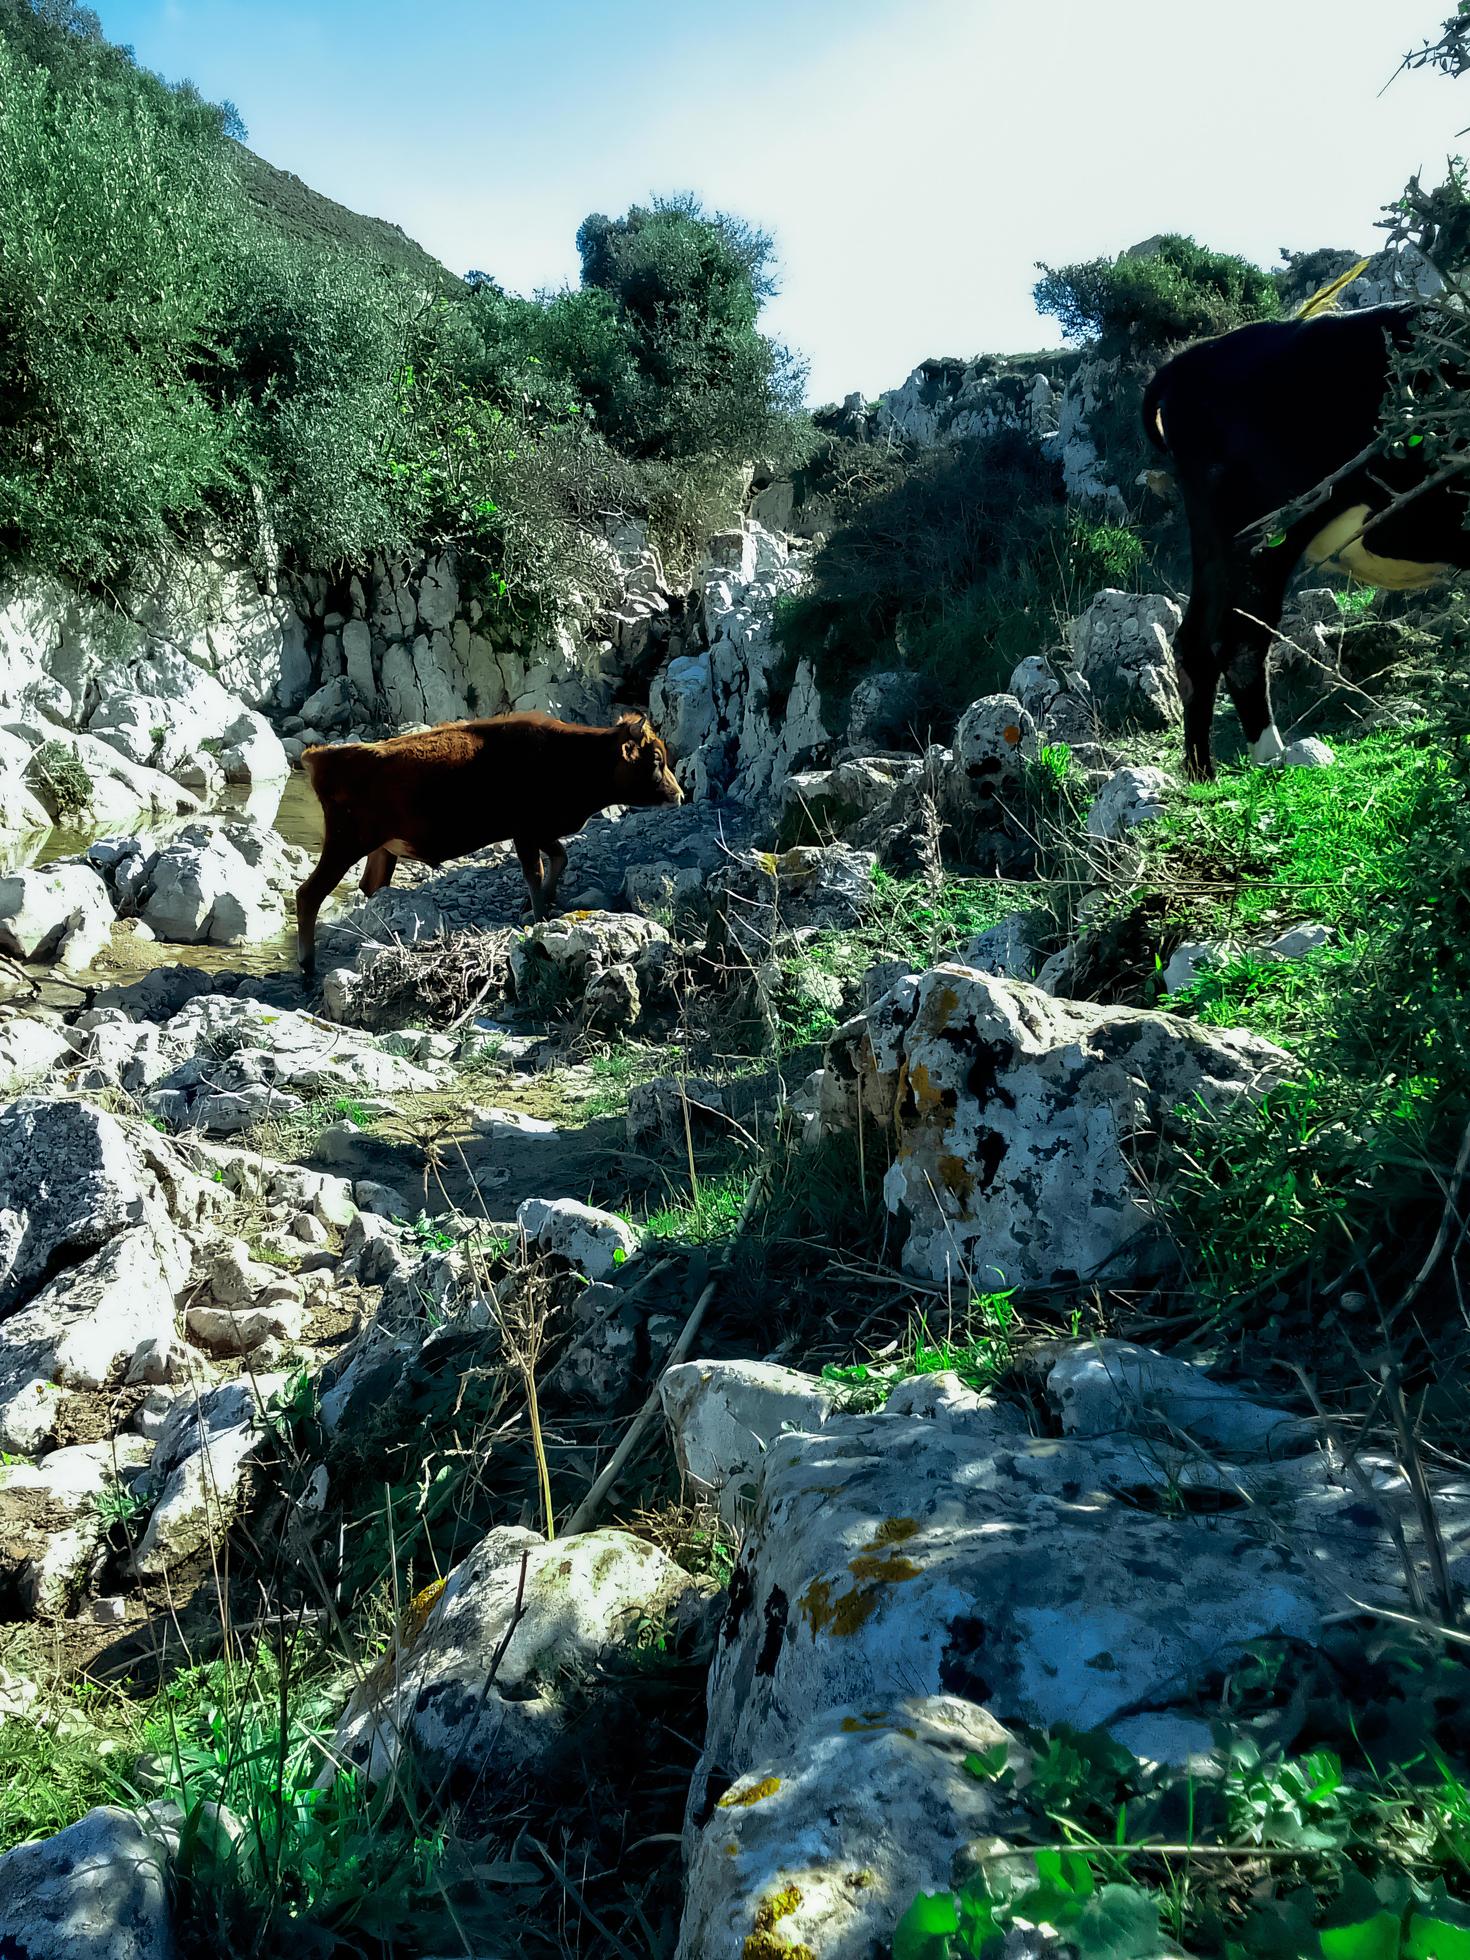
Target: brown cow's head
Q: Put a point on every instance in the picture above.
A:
(643, 773)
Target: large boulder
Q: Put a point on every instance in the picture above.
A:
(60, 913)
(1042, 1578)
(1019, 1121)
(1124, 646)
(548, 1614)
(223, 883)
(91, 1253)
(98, 1888)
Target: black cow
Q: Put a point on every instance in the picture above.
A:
(1253, 421)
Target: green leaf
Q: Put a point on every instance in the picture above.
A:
(1433, 1935)
(1119, 1923)
(1414, 441)
(1278, 539)
(1367, 1939)
(985, 1765)
(923, 1932)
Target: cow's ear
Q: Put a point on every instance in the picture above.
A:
(631, 747)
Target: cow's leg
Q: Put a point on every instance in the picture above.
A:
(1247, 665)
(377, 872)
(530, 857)
(556, 864)
(337, 859)
(1197, 667)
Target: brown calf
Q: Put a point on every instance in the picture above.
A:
(450, 790)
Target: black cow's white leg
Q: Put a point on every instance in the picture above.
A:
(530, 857)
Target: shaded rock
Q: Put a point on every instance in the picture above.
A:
(199, 1501)
(50, 1526)
(656, 1109)
(1127, 799)
(760, 892)
(1011, 948)
(98, 1888)
(584, 1599)
(559, 959)
(1108, 1386)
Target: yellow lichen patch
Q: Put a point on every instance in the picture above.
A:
(938, 1008)
(420, 1607)
(767, 861)
(780, 1905)
(860, 1881)
(869, 1725)
(894, 1531)
(891, 1569)
(732, 1849)
(757, 1793)
(956, 1177)
(1010, 733)
(925, 1093)
(765, 1943)
(816, 1603)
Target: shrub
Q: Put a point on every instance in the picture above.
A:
(1142, 302)
(700, 376)
(958, 570)
(61, 779)
(115, 228)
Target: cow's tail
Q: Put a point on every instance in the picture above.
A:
(1153, 410)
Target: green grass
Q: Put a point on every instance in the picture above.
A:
(711, 1213)
(978, 1346)
(1258, 849)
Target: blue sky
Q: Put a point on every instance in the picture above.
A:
(913, 158)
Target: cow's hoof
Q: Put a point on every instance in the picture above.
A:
(1268, 747)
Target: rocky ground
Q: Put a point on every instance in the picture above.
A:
(643, 1435)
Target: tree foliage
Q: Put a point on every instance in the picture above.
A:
(176, 364)
(1143, 301)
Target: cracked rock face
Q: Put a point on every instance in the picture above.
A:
(1021, 1122)
(1124, 644)
(829, 1855)
(939, 1550)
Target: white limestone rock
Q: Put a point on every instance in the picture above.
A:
(1017, 1119)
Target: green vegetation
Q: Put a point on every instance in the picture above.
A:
(978, 1345)
(188, 350)
(958, 569)
(1143, 302)
(1350, 1848)
(1367, 1131)
(60, 778)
